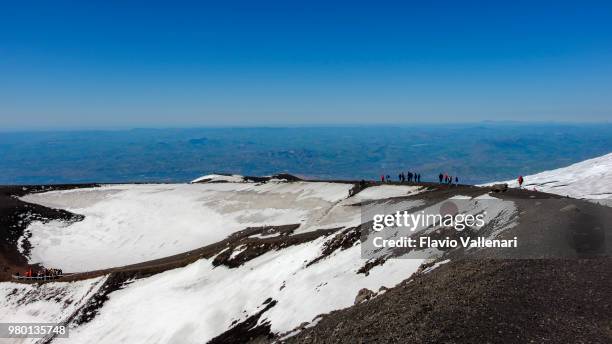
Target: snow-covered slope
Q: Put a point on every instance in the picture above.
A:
(46, 303)
(589, 179)
(198, 302)
(287, 284)
(126, 224)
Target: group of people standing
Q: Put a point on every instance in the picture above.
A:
(443, 178)
(402, 177)
(409, 177)
(447, 179)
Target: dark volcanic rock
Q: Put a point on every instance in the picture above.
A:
(483, 301)
(499, 187)
(364, 295)
(16, 215)
(248, 330)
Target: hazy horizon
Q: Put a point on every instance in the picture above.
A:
(477, 153)
(304, 125)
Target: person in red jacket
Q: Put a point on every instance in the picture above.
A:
(520, 181)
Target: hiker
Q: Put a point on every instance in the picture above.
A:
(440, 176)
(409, 177)
(419, 177)
(388, 178)
(382, 178)
(520, 181)
(456, 180)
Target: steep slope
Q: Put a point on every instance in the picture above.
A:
(482, 301)
(57, 302)
(201, 301)
(589, 179)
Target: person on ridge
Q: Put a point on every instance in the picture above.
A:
(440, 176)
(382, 178)
(520, 181)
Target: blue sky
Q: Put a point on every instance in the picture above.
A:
(150, 64)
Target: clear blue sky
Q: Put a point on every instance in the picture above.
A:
(118, 64)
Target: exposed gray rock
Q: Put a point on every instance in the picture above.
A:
(364, 295)
(499, 187)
